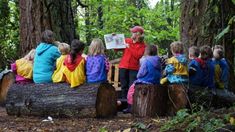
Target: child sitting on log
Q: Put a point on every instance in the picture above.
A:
(58, 75)
(207, 66)
(195, 67)
(23, 68)
(149, 72)
(176, 67)
(74, 70)
(97, 65)
(222, 75)
(221, 68)
(45, 58)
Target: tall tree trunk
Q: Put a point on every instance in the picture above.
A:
(202, 20)
(36, 16)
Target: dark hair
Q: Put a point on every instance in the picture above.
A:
(76, 47)
(206, 52)
(151, 50)
(47, 36)
(194, 50)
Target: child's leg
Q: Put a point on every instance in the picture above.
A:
(130, 94)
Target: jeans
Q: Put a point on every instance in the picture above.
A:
(127, 77)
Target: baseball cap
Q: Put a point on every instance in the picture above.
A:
(137, 29)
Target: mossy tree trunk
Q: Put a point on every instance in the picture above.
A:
(202, 20)
(38, 15)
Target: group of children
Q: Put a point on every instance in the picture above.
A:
(59, 62)
(63, 63)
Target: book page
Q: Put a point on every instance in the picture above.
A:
(116, 41)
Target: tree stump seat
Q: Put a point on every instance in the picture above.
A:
(149, 100)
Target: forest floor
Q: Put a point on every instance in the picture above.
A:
(122, 122)
(222, 120)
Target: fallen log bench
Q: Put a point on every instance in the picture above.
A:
(149, 101)
(59, 100)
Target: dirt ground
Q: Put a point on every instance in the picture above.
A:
(123, 122)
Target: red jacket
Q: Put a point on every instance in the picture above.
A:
(132, 55)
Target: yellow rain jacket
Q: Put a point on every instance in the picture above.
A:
(58, 75)
(24, 68)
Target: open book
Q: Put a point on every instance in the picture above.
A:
(116, 41)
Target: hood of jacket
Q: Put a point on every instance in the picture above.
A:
(42, 47)
(72, 65)
(154, 60)
(182, 59)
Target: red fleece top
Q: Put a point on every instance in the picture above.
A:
(132, 55)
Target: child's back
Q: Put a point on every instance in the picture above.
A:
(96, 63)
(45, 59)
(221, 69)
(150, 70)
(75, 65)
(58, 75)
(176, 69)
(23, 68)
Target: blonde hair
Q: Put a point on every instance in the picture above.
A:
(30, 55)
(218, 54)
(64, 48)
(177, 47)
(194, 51)
(96, 47)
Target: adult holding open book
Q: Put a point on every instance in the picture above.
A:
(129, 64)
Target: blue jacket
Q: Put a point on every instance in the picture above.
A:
(203, 73)
(44, 62)
(96, 69)
(195, 73)
(150, 70)
(176, 69)
(224, 74)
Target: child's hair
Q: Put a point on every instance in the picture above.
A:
(76, 47)
(218, 54)
(177, 47)
(96, 47)
(30, 55)
(151, 50)
(64, 48)
(47, 36)
(206, 52)
(219, 47)
(194, 51)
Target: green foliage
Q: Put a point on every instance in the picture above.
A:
(103, 129)
(226, 30)
(9, 31)
(221, 34)
(201, 120)
(140, 126)
(161, 23)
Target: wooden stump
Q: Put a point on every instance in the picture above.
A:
(59, 100)
(7, 78)
(149, 100)
(177, 98)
